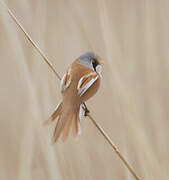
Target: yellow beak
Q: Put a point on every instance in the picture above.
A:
(101, 62)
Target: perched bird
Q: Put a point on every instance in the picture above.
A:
(80, 82)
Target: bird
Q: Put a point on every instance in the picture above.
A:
(80, 82)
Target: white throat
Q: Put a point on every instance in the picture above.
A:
(99, 70)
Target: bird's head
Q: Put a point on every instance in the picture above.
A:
(91, 60)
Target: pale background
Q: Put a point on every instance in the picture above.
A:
(132, 36)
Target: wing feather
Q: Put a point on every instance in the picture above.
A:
(65, 81)
(86, 82)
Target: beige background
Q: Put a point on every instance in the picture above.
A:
(132, 36)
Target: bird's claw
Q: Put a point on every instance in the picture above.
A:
(86, 110)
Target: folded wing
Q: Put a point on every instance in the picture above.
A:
(86, 82)
(65, 81)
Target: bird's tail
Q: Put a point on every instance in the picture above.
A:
(74, 120)
(66, 119)
(54, 115)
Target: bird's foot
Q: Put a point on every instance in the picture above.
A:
(86, 110)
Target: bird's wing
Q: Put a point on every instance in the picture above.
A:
(65, 81)
(86, 82)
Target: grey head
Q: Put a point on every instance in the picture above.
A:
(89, 59)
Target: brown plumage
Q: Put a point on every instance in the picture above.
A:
(77, 86)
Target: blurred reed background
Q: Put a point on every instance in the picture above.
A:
(132, 37)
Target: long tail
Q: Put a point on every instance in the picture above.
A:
(77, 122)
(65, 121)
(74, 120)
(56, 113)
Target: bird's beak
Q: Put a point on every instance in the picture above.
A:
(101, 62)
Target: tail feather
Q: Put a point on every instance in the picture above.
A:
(66, 118)
(76, 122)
(63, 118)
(66, 129)
(56, 113)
